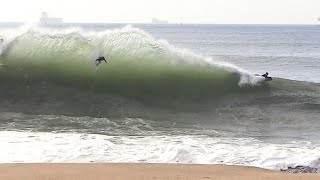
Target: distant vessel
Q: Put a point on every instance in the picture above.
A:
(45, 19)
(157, 21)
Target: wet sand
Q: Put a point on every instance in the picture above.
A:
(141, 171)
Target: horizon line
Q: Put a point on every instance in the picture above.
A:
(17, 22)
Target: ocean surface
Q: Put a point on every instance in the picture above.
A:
(168, 94)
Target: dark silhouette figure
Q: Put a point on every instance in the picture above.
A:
(265, 75)
(101, 58)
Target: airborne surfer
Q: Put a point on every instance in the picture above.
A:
(101, 58)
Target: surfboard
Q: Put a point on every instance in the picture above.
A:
(268, 79)
(265, 78)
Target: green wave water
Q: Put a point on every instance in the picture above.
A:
(55, 70)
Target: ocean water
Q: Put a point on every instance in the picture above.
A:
(168, 94)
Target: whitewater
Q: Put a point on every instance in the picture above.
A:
(168, 94)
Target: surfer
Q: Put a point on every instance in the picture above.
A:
(265, 75)
(101, 58)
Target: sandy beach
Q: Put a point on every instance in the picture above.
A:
(140, 171)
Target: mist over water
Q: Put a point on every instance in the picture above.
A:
(182, 93)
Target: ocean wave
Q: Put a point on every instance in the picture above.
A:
(132, 54)
(46, 70)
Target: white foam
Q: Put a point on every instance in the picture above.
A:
(10, 35)
(30, 147)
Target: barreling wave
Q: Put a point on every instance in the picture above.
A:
(47, 66)
(136, 60)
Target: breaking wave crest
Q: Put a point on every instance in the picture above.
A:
(133, 55)
(46, 67)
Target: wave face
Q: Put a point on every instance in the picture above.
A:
(46, 62)
(53, 71)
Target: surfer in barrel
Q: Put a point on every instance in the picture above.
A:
(101, 58)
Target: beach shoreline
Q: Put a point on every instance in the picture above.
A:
(140, 171)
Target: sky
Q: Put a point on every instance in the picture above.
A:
(174, 11)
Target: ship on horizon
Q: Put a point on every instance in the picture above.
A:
(157, 21)
(46, 20)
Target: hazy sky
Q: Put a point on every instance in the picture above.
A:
(175, 11)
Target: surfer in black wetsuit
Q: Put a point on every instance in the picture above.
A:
(101, 58)
(265, 75)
